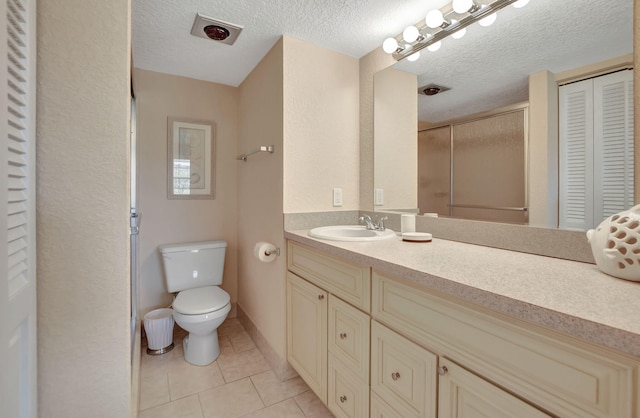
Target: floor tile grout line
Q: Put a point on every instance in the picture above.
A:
(256, 389)
(200, 403)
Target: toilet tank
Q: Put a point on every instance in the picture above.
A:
(194, 264)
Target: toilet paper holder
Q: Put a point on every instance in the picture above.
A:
(276, 251)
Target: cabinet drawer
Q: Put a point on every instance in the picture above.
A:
(565, 376)
(348, 395)
(349, 281)
(348, 337)
(463, 394)
(381, 409)
(402, 373)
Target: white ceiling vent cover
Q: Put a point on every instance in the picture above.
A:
(215, 30)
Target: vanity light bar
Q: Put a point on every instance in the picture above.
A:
(452, 23)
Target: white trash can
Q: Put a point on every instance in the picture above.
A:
(158, 324)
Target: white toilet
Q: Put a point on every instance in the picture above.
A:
(194, 270)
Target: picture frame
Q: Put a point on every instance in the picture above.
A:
(190, 159)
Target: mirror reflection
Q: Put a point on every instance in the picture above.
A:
(498, 142)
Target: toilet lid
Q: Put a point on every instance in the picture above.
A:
(201, 300)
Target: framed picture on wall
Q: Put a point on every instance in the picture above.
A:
(191, 159)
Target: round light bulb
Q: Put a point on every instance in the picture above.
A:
(488, 21)
(390, 45)
(434, 47)
(410, 33)
(434, 19)
(520, 3)
(459, 33)
(462, 6)
(414, 56)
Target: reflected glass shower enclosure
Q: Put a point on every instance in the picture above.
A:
(475, 169)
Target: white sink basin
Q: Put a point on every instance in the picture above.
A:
(350, 233)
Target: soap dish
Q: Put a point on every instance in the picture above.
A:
(417, 236)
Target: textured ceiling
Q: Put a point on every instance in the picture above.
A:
(162, 41)
(488, 68)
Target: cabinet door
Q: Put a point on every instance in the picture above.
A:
(465, 395)
(307, 333)
(403, 374)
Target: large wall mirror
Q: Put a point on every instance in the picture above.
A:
(515, 65)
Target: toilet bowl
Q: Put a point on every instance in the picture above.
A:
(200, 312)
(194, 271)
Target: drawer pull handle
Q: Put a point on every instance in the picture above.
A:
(343, 335)
(395, 375)
(442, 370)
(343, 399)
(320, 297)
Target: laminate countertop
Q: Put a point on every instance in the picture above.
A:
(570, 297)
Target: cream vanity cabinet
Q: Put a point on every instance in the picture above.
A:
(488, 359)
(373, 345)
(328, 326)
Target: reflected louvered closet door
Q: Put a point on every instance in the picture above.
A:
(596, 149)
(18, 374)
(613, 144)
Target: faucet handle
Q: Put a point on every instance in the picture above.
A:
(381, 223)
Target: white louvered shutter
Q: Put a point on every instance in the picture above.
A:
(17, 186)
(576, 155)
(596, 149)
(613, 144)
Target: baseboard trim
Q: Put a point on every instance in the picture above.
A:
(280, 367)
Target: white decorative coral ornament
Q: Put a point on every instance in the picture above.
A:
(615, 244)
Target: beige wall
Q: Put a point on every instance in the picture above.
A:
(261, 288)
(159, 96)
(303, 100)
(82, 208)
(370, 64)
(320, 128)
(543, 150)
(396, 138)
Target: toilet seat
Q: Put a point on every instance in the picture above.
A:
(201, 300)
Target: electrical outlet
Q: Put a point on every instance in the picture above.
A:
(379, 200)
(337, 197)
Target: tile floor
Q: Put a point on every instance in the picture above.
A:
(238, 384)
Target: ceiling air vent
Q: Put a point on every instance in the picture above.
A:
(432, 89)
(216, 30)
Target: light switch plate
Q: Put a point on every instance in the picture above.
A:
(379, 199)
(337, 197)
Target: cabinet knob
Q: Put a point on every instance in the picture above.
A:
(343, 399)
(320, 297)
(442, 370)
(343, 335)
(395, 375)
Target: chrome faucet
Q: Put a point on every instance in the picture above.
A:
(366, 220)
